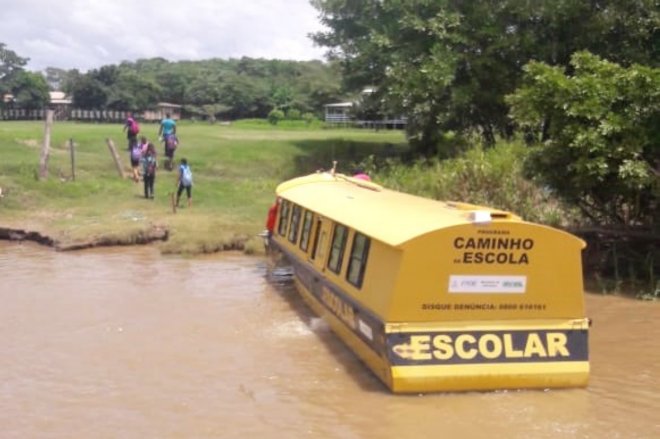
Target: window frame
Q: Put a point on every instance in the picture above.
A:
(294, 225)
(306, 231)
(361, 259)
(315, 242)
(337, 250)
(283, 221)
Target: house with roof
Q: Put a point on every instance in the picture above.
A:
(343, 113)
(339, 112)
(60, 103)
(162, 109)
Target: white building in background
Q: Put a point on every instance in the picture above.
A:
(342, 113)
(339, 112)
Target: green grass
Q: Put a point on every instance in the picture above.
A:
(236, 169)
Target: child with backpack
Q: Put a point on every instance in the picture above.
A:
(149, 165)
(136, 151)
(167, 131)
(132, 129)
(185, 182)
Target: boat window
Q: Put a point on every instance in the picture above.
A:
(315, 246)
(306, 229)
(358, 260)
(337, 248)
(284, 217)
(295, 222)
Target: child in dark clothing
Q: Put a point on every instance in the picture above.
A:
(149, 165)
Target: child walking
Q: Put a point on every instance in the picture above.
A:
(136, 156)
(184, 182)
(149, 165)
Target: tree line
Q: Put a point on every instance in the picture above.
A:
(215, 89)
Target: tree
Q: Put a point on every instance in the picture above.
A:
(88, 93)
(58, 78)
(30, 90)
(282, 97)
(447, 64)
(244, 96)
(203, 90)
(172, 85)
(10, 64)
(131, 91)
(603, 135)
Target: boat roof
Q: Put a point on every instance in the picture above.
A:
(389, 216)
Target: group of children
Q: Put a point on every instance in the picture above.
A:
(144, 163)
(143, 157)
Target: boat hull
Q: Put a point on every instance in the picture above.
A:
(451, 356)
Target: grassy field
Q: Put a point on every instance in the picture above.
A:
(236, 169)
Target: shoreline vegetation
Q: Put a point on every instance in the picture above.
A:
(236, 169)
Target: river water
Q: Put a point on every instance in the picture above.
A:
(125, 343)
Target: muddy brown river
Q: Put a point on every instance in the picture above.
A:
(125, 343)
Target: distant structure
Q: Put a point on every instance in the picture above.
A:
(339, 112)
(62, 105)
(163, 108)
(345, 114)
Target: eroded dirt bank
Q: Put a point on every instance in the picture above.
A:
(156, 233)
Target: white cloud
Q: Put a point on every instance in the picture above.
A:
(87, 34)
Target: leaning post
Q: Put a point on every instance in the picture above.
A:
(45, 148)
(115, 156)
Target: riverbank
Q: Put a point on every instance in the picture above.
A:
(154, 234)
(236, 169)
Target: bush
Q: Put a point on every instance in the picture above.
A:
(492, 177)
(275, 116)
(293, 114)
(308, 118)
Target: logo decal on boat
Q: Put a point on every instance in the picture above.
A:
(488, 347)
(493, 250)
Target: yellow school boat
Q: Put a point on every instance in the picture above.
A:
(436, 296)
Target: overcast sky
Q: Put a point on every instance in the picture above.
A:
(87, 34)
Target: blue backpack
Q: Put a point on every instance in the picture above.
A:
(186, 176)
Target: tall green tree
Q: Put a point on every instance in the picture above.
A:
(30, 90)
(203, 90)
(10, 64)
(57, 78)
(603, 147)
(131, 91)
(244, 96)
(88, 93)
(447, 64)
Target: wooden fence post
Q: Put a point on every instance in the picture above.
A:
(73, 160)
(45, 148)
(115, 156)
